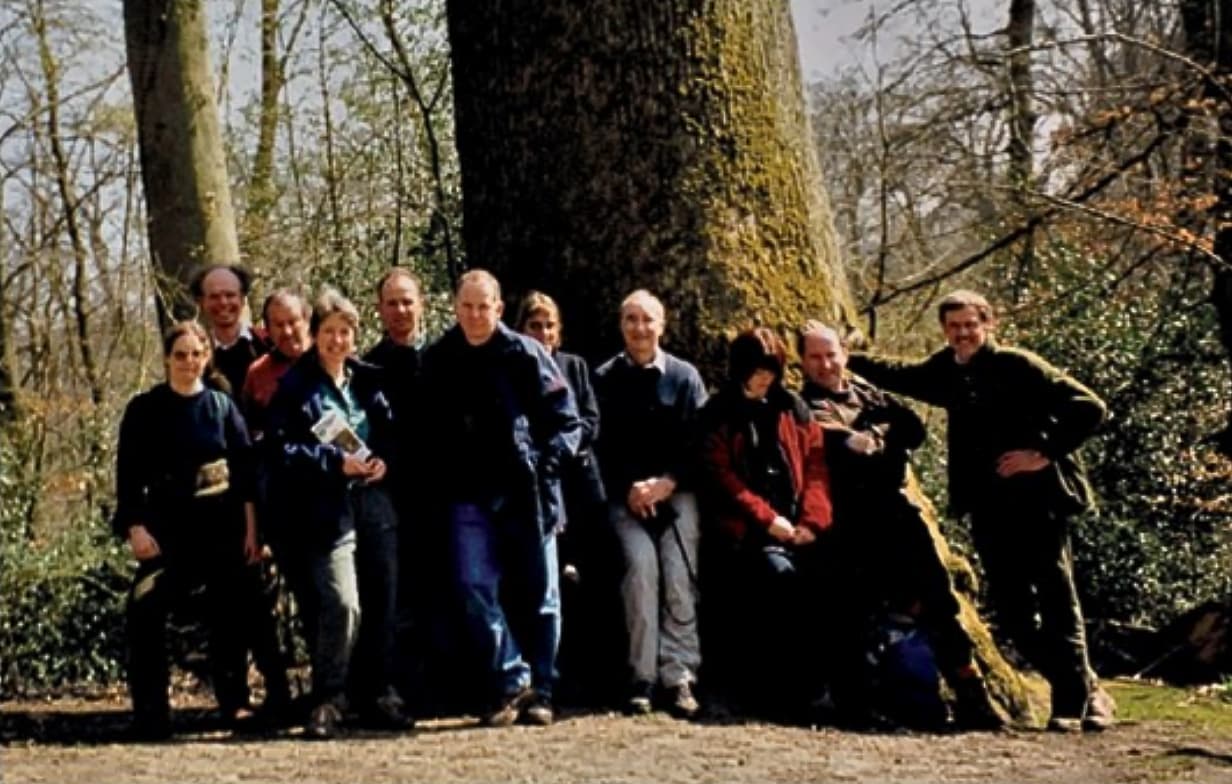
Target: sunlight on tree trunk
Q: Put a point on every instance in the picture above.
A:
(183, 165)
(620, 145)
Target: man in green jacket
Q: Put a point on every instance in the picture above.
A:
(1014, 422)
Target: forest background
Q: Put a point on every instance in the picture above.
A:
(1071, 159)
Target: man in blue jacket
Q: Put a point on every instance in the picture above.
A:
(501, 423)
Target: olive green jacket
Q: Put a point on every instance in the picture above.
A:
(1002, 399)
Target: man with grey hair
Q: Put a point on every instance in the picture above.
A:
(882, 550)
(649, 402)
(1014, 423)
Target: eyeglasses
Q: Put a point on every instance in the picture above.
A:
(183, 356)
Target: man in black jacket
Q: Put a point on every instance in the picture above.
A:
(881, 545)
(503, 423)
(1013, 424)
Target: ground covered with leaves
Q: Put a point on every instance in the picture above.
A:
(1169, 736)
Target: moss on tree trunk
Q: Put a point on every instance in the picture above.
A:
(608, 146)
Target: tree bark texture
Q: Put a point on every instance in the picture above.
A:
(1020, 34)
(610, 146)
(183, 168)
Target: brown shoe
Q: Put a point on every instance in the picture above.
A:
(684, 705)
(509, 708)
(1100, 712)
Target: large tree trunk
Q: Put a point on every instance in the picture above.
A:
(183, 167)
(615, 145)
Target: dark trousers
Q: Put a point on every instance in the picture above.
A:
(1029, 571)
(765, 630)
(162, 584)
(882, 558)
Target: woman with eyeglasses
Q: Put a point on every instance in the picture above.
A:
(184, 503)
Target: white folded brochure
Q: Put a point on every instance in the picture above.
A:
(333, 428)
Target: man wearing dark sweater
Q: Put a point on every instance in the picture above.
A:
(422, 627)
(1013, 424)
(649, 401)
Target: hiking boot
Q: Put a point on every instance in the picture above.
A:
(639, 699)
(1100, 711)
(323, 721)
(538, 711)
(509, 708)
(684, 705)
(974, 708)
(1066, 725)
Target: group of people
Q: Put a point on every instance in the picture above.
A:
(425, 477)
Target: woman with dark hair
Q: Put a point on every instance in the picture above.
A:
(767, 489)
(591, 637)
(330, 429)
(184, 503)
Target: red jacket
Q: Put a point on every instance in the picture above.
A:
(734, 502)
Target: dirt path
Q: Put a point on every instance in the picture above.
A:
(81, 742)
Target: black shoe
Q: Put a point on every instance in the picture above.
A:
(150, 729)
(538, 711)
(387, 713)
(506, 712)
(639, 702)
(323, 723)
(684, 705)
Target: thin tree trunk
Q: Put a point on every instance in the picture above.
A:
(9, 411)
(68, 198)
(183, 166)
(1020, 33)
(261, 193)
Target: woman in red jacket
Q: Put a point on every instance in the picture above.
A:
(767, 491)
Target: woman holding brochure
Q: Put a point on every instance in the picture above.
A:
(331, 431)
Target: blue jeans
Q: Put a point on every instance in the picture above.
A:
(507, 573)
(359, 571)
